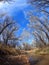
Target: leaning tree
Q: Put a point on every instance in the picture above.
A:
(41, 5)
(8, 32)
(39, 25)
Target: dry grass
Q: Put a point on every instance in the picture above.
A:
(39, 51)
(12, 56)
(6, 50)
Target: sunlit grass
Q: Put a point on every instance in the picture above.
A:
(9, 50)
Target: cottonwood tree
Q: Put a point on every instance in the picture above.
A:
(24, 38)
(41, 5)
(40, 28)
(8, 35)
(26, 46)
(3, 27)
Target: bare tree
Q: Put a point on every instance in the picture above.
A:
(3, 27)
(26, 46)
(9, 32)
(40, 28)
(41, 5)
(25, 35)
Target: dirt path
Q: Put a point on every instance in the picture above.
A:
(25, 60)
(44, 61)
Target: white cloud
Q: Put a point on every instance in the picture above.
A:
(9, 7)
(17, 3)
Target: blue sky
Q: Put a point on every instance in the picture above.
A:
(16, 10)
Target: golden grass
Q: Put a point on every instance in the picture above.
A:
(21, 57)
(9, 50)
(38, 51)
